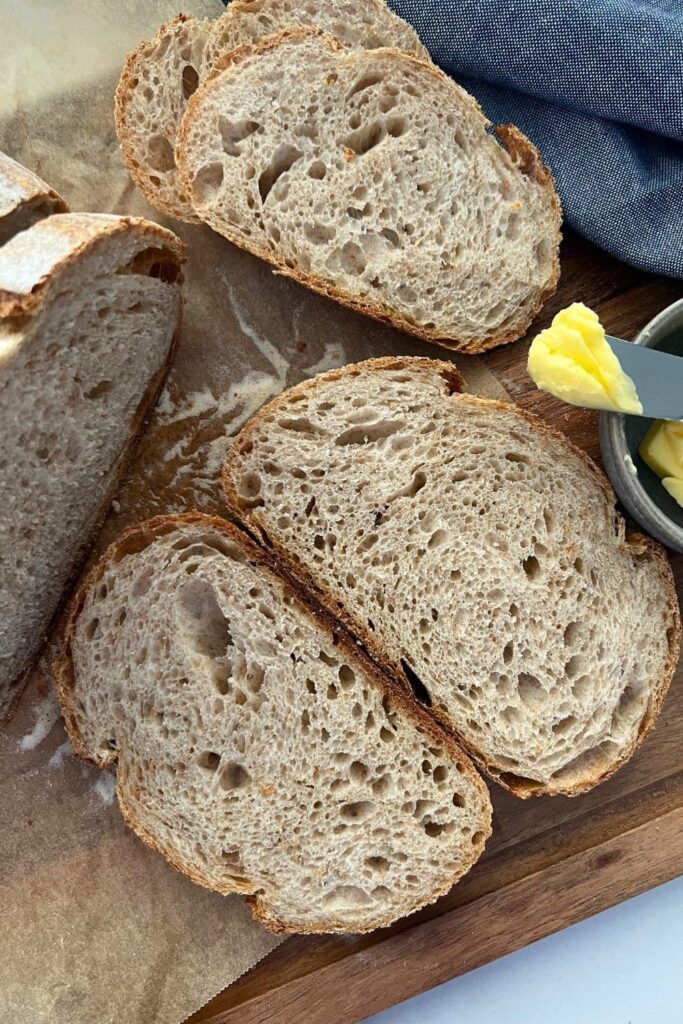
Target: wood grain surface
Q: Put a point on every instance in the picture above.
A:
(550, 862)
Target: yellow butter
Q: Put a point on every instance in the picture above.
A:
(572, 360)
(675, 488)
(662, 450)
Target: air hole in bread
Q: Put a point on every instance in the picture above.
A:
(358, 772)
(365, 82)
(319, 234)
(200, 618)
(248, 490)
(160, 154)
(582, 688)
(209, 760)
(351, 259)
(299, 424)
(284, 157)
(369, 433)
(317, 170)
(564, 726)
(207, 182)
(433, 829)
(575, 666)
(234, 132)
(530, 688)
(532, 567)
(190, 81)
(438, 538)
(396, 126)
(234, 776)
(365, 138)
(419, 689)
(347, 897)
(347, 677)
(358, 810)
(99, 390)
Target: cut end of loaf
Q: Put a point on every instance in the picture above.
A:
(481, 560)
(256, 749)
(89, 309)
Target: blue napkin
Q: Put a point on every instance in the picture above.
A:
(597, 85)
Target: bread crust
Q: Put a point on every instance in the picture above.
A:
(523, 153)
(21, 189)
(640, 545)
(12, 304)
(61, 241)
(139, 537)
(182, 210)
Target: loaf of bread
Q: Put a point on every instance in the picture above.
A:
(371, 177)
(89, 307)
(161, 75)
(24, 198)
(256, 746)
(477, 555)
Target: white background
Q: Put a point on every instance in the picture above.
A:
(624, 966)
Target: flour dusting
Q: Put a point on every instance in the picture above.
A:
(333, 357)
(192, 432)
(63, 751)
(105, 788)
(45, 712)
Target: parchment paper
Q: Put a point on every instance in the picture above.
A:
(95, 927)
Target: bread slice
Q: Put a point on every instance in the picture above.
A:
(24, 198)
(89, 307)
(258, 749)
(158, 78)
(371, 177)
(475, 552)
(356, 24)
(161, 75)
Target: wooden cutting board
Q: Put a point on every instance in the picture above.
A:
(550, 862)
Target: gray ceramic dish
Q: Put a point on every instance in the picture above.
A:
(639, 489)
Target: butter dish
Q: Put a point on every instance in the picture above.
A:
(639, 488)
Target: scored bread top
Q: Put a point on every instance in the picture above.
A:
(371, 177)
(257, 748)
(24, 198)
(68, 245)
(160, 75)
(477, 554)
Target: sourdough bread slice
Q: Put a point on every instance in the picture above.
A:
(24, 198)
(161, 75)
(157, 80)
(475, 552)
(357, 24)
(89, 307)
(370, 176)
(257, 748)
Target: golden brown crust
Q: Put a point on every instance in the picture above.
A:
(126, 86)
(517, 785)
(523, 153)
(139, 537)
(21, 189)
(82, 231)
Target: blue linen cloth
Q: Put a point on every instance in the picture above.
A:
(597, 85)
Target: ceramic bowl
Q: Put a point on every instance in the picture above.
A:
(639, 489)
